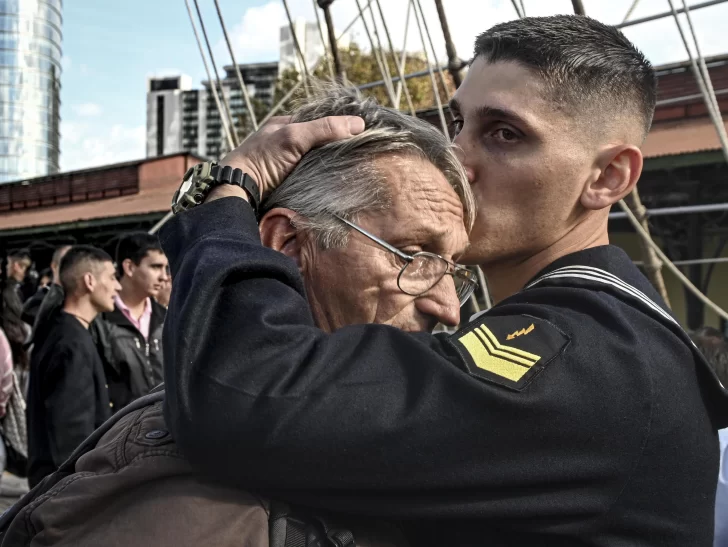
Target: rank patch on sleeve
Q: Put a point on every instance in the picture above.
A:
(508, 350)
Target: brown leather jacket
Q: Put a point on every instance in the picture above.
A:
(135, 488)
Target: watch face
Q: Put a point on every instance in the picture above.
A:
(186, 185)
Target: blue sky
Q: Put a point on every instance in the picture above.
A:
(110, 48)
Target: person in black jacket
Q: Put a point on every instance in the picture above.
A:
(130, 336)
(68, 397)
(575, 412)
(19, 262)
(32, 305)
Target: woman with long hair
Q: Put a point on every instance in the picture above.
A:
(16, 332)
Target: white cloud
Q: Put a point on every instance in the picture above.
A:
(255, 37)
(84, 144)
(87, 110)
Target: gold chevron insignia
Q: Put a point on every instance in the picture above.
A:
(490, 355)
(521, 332)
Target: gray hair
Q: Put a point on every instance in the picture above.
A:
(341, 178)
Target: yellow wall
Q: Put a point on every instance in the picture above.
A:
(717, 290)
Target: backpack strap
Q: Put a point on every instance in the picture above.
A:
(289, 527)
(69, 465)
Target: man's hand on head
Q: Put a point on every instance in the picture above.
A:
(272, 152)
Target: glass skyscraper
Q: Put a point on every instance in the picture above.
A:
(30, 85)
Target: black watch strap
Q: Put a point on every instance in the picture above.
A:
(230, 175)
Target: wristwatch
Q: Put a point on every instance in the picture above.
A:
(203, 177)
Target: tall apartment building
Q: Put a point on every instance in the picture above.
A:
(165, 99)
(180, 118)
(30, 84)
(309, 39)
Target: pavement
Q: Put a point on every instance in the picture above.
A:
(12, 488)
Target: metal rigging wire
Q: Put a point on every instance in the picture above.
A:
(669, 265)
(402, 63)
(353, 22)
(238, 73)
(297, 46)
(429, 70)
(399, 66)
(231, 143)
(518, 9)
(170, 214)
(288, 95)
(382, 54)
(329, 63)
(233, 132)
(710, 102)
(387, 81)
(434, 53)
(704, 70)
(630, 10)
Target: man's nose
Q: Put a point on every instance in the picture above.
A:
(441, 302)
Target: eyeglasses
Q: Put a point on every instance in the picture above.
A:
(423, 270)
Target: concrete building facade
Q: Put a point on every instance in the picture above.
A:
(182, 119)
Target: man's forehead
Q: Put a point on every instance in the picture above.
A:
(156, 257)
(425, 208)
(503, 86)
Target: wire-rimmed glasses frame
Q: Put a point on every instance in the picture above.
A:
(423, 270)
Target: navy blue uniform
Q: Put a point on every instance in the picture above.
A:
(576, 412)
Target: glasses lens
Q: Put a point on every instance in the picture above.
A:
(423, 273)
(464, 286)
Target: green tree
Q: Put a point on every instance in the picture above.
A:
(360, 68)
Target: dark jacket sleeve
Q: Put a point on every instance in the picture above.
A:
(368, 419)
(71, 401)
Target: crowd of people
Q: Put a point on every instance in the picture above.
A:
(306, 400)
(86, 343)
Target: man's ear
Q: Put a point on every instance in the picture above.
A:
(127, 267)
(620, 168)
(278, 233)
(89, 282)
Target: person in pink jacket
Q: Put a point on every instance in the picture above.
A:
(6, 372)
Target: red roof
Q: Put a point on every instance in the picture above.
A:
(157, 179)
(682, 137)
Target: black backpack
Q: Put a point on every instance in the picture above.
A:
(287, 526)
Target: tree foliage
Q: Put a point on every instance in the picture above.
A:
(361, 67)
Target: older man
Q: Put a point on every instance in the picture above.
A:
(575, 412)
(373, 225)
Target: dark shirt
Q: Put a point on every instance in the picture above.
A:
(32, 305)
(132, 363)
(67, 395)
(576, 412)
(12, 295)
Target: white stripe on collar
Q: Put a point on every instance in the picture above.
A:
(604, 277)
